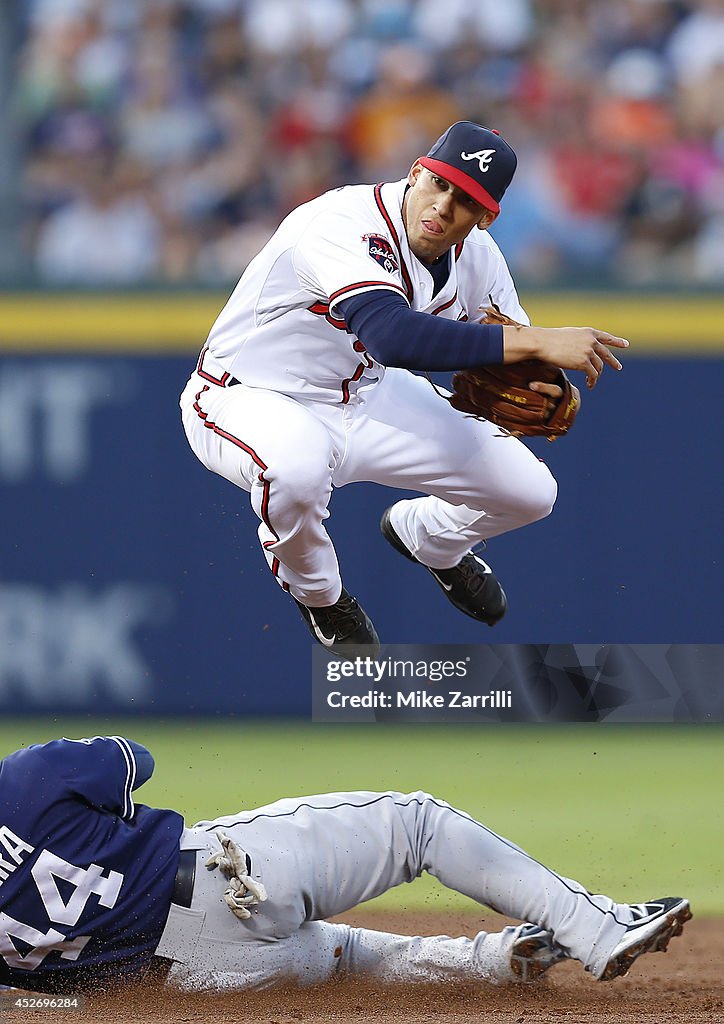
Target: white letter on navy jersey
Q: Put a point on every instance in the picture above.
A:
(14, 846)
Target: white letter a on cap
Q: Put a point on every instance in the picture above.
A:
(483, 156)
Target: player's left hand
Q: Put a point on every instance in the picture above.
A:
(549, 390)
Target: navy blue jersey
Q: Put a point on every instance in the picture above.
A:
(85, 876)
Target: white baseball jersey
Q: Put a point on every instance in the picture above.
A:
(281, 328)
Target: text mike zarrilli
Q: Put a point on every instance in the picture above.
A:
(418, 699)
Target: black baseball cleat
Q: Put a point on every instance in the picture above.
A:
(533, 951)
(343, 628)
(471, 585)
(654, 925)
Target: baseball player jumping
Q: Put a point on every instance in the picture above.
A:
(305, 382)
(95, 891)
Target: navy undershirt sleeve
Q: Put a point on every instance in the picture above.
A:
(399, 336)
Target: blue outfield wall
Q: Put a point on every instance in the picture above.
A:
(131, 578)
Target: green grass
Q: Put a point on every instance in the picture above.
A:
(630, 811)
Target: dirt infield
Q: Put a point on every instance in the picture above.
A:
(684, 984)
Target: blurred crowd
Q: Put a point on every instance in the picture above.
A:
(163, 140)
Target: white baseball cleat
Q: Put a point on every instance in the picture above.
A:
(654, 925)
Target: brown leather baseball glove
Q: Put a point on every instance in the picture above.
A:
(500, 393)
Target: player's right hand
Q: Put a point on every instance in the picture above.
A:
(581, 348)
(571, 348)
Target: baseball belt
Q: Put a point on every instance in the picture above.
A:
(182, 895)
(183, 884)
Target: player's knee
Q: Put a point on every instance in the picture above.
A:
(546, 494)
(305, 482)
(540, 496)
(422, 799)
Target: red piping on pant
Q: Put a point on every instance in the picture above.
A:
(262, 466)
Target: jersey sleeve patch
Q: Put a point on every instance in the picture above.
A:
(382, 252)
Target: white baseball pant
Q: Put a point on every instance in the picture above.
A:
(319, 856)
(290, 455)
